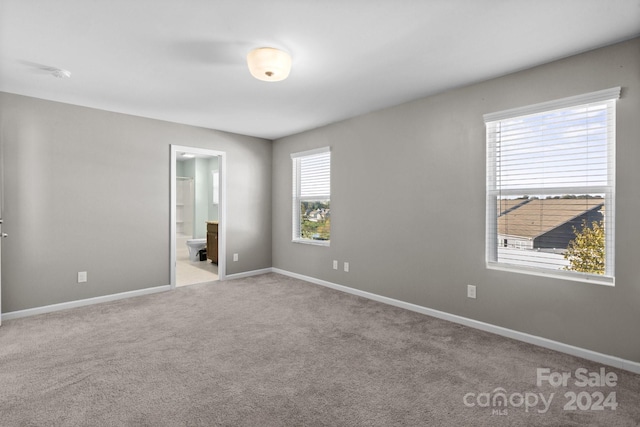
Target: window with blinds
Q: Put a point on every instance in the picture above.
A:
(312, 196)
(551, 187)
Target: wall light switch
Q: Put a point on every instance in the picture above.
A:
(346, 267)
(235, 257)
(335, 264)
(82, 276)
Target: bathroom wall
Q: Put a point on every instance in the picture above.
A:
(213, 207)
(201, 210)
(180, 168)
(200, 170)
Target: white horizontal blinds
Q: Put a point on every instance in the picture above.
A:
(315, 176)
(554, 150)
(550, 170)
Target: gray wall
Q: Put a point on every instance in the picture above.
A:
(88, 190)
(408, 207)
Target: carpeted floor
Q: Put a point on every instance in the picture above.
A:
(275, 351)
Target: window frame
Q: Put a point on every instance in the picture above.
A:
(297, 198)
(493, 190)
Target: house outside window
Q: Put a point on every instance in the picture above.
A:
(312, 196)
(550, 195)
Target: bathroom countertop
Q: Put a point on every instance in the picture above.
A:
(212, 222)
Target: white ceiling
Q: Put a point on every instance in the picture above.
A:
(184, 60)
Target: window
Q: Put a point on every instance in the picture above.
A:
(312, 196)
(551, 187)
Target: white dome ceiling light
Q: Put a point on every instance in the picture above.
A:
(269, 64)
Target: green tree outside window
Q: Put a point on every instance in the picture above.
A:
(585, 252)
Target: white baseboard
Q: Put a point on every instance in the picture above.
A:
(80, 303)
(248, 273)
(97, 300)
(616, 362)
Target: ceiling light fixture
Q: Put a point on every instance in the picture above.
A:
(188, 155)
(269, 64)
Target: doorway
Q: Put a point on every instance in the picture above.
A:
(198, 197)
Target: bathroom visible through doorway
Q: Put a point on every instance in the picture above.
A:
(197, 215)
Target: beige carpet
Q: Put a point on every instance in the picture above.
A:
(275, 351)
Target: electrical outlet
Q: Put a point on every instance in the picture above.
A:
(335, 264)
(471, 291)
(235, 257)
(82, 276)
(346, 267)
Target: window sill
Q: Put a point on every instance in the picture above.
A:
(312, 242)
(574, 277)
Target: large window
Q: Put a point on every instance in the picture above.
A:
(551, 187)
(312, 196)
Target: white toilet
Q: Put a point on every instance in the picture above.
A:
(194, 246)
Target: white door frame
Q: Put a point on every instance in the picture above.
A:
(222, 213)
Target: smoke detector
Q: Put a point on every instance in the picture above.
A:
(60, 73)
